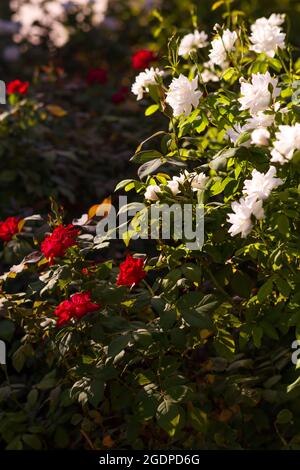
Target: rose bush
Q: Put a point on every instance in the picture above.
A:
(175, 348)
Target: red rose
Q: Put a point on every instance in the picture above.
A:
(96, 76)
(64, 312)
(120, 95)
(16, 86)
(9, 227)
(82, 304)
(79, 305)
(131, 271)
(142, 59)
(56, 244)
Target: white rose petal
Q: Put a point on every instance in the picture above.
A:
(260, 136)
(209, 73)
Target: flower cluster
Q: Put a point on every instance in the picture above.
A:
(256, 191)
(221, 47)
(76, 307)
(258, 95)
(267, 36)
(287, 141)
(9, 227)
(183, 95)
(131, 271)
(196, 182)
(17, 87)
(192, 41)
(38, 18)
(144, 80)
(257, 124)
(56, 244)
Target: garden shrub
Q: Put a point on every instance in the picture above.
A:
(181, 349)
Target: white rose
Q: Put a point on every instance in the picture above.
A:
(261, 184)
(256, 96)
(198, 181)
(287, 141)
(183, 95)
(221, 47)
(266, 36)
(192, 42)
(151, 192)
(143, 80)
(240, 219)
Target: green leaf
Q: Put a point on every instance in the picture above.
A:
(192, 272)
(147, 406)
(170, 417)
(244, 137)
(257, 334)
(15, 444)
(118, 344)
(7, 329)
(49, 381)
(32, 441)
(217, 5)
(167, 319)
(269, 330)
(265, 290)
(96, 391)
(61, 438)
(32, 398)
(275, 64)
(199, 420)
(295, 385)
(283, 286)
(149, 167)
(224, 344)
(156, 134)
(122, 184)
(284, 416)
(219, 186)
(196, 308)
(146, 156)
(283, 224)
(229, 73)
(151, 109)
(241, 283)
(110, 295)
(20, 356)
